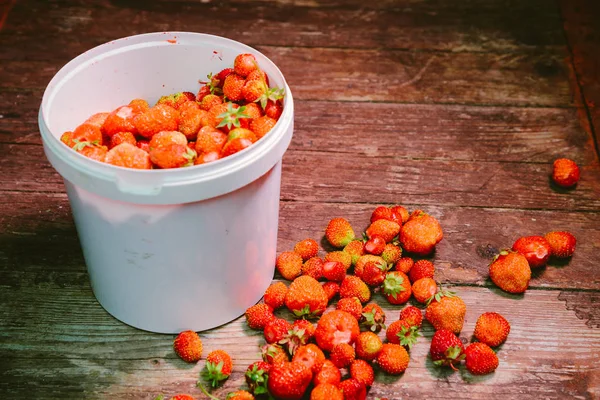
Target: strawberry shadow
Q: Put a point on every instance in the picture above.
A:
(496, 290)
(559, 189)
(556, 262)
(468, 377)
(438, 372)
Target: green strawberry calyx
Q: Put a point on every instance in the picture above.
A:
(451, 355)
(408, 336)
(374, 325)
(258, 378)
(80, 145)
(295, 338)
(232, 116)
(273, 94)
(439, 295)
(306, 312)
(392, 285)
(213, 373)
(190, 155)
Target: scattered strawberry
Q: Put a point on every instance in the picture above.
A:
(259, 315)
(391, 254)
(565, 172)
(480, 359)
(306, 297)
(373, 274)
(276, 329)
(510, 271)
(240, 395)
(412, 315)
(381, 212)
(367, 346)
(420, 233)
(351, 305)
(393, 359)
(182, 397)
(404, 264)
(158, 118)
(446, 311)
(403, 333)
(256, 377)
(311, 356)
(492, 329)
(399, 214)
(329, 373)
(326, 391)
(306, 326)
(339, 232)
(307, 248)
(275, 295)
(562, 244)
(289, 265)
(423, 289)
(188, 346)
(342, 355)
(129, 156)
(332, 289)
(536, 250)
(362, 372)
(340, 256)
(334, 271)
(289, 380)
(336, 327)
(362, 261)
(375, 245)
(274, 354)
(300, 333)
(387, 230)
(218, 367)
(396, 287)
(353, 286)
(373, 317)
(355, 248)
(421, 269)
(446, 349)
(313, 267)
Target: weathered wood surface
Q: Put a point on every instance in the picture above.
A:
(457, 108)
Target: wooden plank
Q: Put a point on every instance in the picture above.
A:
(475, 25)
(472, 236)
(532, 135)
(583, 35)
(83, 350)
(528, 79)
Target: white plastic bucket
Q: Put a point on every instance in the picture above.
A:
(168, 250)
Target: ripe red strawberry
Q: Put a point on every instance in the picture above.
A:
(307, 248)
(307, 327)
(420, 233)
(355, 248)
(329, 373)
(332, 289)
(405, 264)
(94, 152)
(399, 214)
(353, 286)
(253, 90)
(375, 245)
(259, 315)
(166, 138)
(301, 332)
(373, 274)
(423, 289)
(232, 88)
(275, 295)
(373, 317)
(262, 125)
(274, 354)
(362, 261)
(492, 329)
(176, 100)
(173, 156)
(182, 397)
(120, 120)
(66, 138)
(256, 377)
(143, 144)
(336, 327)
(381, 212)
(311, 356)
(342, 355)
(446, 311)
(367, 345)
(289, 265)
(210, 139)
(87, 133)
(244, 64)
(421, 269)
(396, 287)
(339, 232)
(306, 297)
(340, 256)
(403, 333)
(158, 118)
(393, 359)
(209, 101)
(565, 172)
(258, 74)
(122, 137)
(391, 253)
(276, 329)
(326, 391)
(362, 372)
(289, 380)
(562, 244)
(188, 346)
(387, 230)
(241, 133)
(129, 156)
(446, 349)
(203, 92)
(190, 121)
(218, 79)
(97, 119)
(334, 271)
(536, 250)
(480, 359)
(240, 395)
(235, 145)
(510, 271)
(353, 389)
(206, 157)
(412, 315)
(351, 305)
(218, 367)
(313, 267)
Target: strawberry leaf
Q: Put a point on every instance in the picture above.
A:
(232, 116)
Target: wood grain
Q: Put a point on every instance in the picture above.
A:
(475, 25)
(472, 236)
